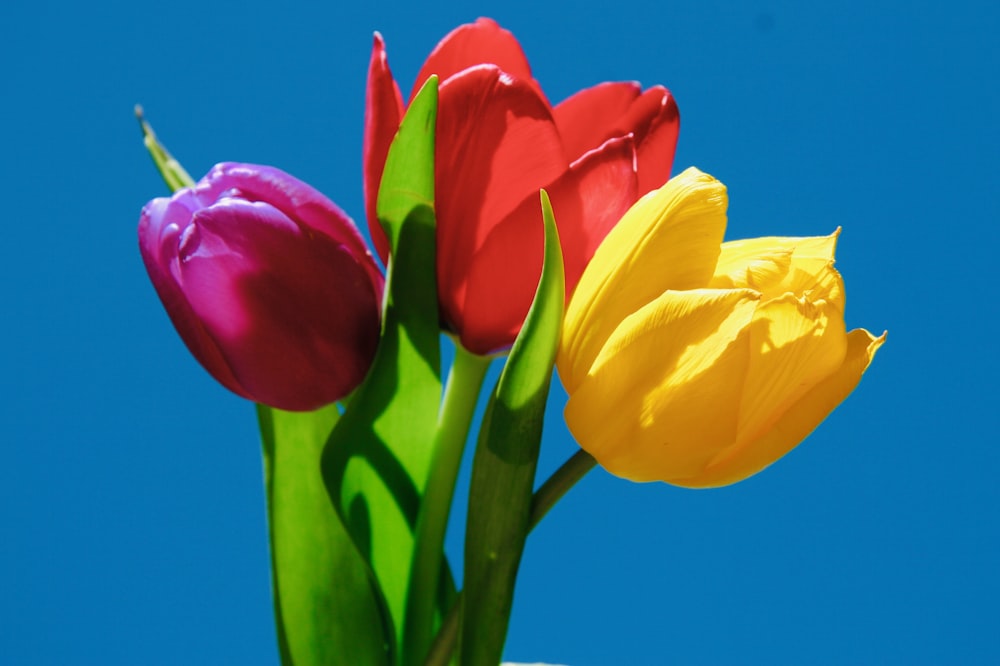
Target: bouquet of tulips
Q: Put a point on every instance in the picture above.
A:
(549, 236)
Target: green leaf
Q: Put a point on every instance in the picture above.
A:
(503, 470)
(326, 611)
(171, 170)
(377, 459)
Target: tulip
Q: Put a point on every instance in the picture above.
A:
(268, 283)
(697, 362)
(498, 142)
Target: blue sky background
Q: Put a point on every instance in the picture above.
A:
(131, 502)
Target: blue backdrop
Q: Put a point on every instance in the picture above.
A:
(130, 486)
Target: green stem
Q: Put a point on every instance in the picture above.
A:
(550, 492)
(457, 408)
(559, 484)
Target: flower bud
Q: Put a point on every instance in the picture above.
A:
(269, 284)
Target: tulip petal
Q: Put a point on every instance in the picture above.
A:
(249, 277)
(596, 114)
(588, 200)
(496, 145)
(657, 139)
(383, 113)
(654, 405)
(779, 265)
(798, 421)
(587, 118)
(160, 227)
(294, 198)
(794, 345)
(668, 240)
(480, 43)
(291, 196)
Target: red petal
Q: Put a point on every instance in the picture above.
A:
(383, 113)
(588, 118)
(657, 122)
(587, 201)
(496, 144)
(590, 200)
(615, 109)
(480, 43)
(502, 279)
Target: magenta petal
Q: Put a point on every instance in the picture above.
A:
(292, 197)
(295, 199)
(496, 144)
(251, 279)
(480, 43)
(383, 113)
(160, 228)
(267, 282)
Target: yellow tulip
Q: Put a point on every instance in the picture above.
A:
(697, 362)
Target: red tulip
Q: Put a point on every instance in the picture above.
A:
(268, 283)
(498, 142)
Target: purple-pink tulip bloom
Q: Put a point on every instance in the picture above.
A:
(268, 282)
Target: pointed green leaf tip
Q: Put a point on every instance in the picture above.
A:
(408, 176)
(376, 462)
(503, 471)
(173, 173)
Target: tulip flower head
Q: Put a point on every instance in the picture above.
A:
(498, 142)
(268, 283)
(698, 362)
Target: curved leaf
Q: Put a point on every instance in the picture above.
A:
(376, 461)
(503, 470)
(326, 610)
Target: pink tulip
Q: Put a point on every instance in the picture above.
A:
(268, 282)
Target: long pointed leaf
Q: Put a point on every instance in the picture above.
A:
(327, 612)
(503, 470)
(376, 461)
(171, 170)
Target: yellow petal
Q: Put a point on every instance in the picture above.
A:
(779, 265)
(662, 397)
(794, 344)
(797, 422)
(739, 253)
(669, 239)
